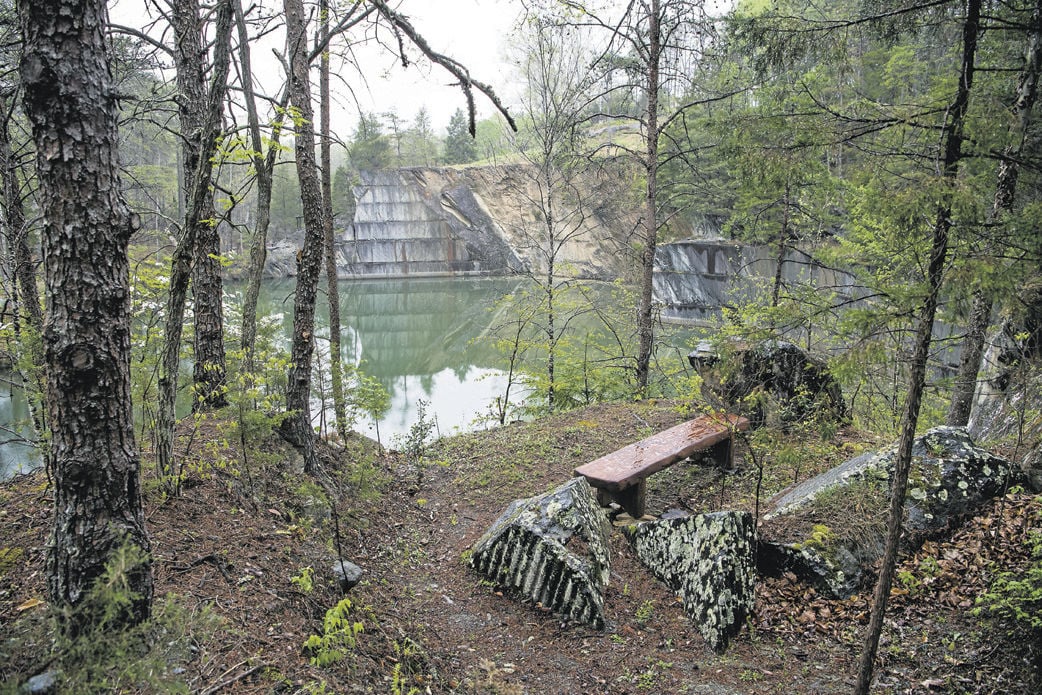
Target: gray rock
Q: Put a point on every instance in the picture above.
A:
(950, 479)
(347, 574)
(41, 684)
(797, 384)
(709, 561)
(552, 549)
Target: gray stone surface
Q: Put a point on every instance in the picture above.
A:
(795, 384)
(347, 574)
(553, 550)
(709, 561)
(950, 479)
(42, 684)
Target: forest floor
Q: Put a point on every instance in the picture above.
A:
(242, 533)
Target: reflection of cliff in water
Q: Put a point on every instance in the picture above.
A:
(417, 326)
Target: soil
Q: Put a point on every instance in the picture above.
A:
(240, 530)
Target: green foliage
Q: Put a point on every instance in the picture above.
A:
(339, 636)
(369, 150)
(304, 580)
(460, 147)
(103, 654)
(1014, 600)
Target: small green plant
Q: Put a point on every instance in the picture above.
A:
(1014, 600)
(96, 650)
(304, 580)
(644, 612)
(338, 639)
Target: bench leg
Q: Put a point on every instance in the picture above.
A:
(720, 453)
(632, 499)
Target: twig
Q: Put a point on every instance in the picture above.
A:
(224, 684)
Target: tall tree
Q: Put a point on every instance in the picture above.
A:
(460, 147)
(1009, 167)
(190, 62)
(950, 158)
(263, 166)
(336, 366)
(65, 70)
(296, 428)
(550, 142)
(198, 214)
(654, 47)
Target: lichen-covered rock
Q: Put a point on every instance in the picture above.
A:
(950, 479)
(796, 384)
(552, 549)
(709, 561)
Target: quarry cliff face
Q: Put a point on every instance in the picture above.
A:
(482, 220)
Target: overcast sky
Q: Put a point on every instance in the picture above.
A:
(474, 32)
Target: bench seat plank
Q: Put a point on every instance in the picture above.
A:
(633, 463)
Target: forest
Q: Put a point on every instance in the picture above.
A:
(201, 472)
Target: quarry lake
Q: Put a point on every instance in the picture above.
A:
(424, 339)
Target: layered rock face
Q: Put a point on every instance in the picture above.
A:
(709, 560)
(552, 549)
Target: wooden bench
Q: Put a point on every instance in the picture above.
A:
(620, 476)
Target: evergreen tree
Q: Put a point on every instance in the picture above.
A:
(370, 150)
(460, 147)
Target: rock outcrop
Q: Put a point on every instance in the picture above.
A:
(709, 561)
(553, 550)
(950, 478)
(793, 384)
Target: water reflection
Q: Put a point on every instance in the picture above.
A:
(421, 338)
(17, 454)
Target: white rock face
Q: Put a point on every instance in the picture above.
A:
(553, 550)
(709, 560)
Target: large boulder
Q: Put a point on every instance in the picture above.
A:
(709, 561)
(552, 549)
(773, 376)
(827, 529)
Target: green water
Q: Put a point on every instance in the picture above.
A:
(424, 338)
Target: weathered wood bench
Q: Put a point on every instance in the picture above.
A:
(620, 476)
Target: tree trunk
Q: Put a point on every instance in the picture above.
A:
(296, 428)
(199, 201)
(263, 167)
(1005, 194)
(332, 289)
(23, 272)
(953, 138)
(190, 61)
(70, 100)
(645, 318)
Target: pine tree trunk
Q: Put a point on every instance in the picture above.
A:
(645, 317)
(1005, 194)
(332, 288)
(263, 166)
(296, 428)
(23, 273)
(190, 60)
(953, 139)
(69, 98)
(199, 201)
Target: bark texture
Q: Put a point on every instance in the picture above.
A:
(296, 428)
(953, 140)
(1005, 194)
(200, 200)
(190, 60)
(336, 367)
(645, 308)
(93, 457)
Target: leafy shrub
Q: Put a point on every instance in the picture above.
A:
(1015, 599)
